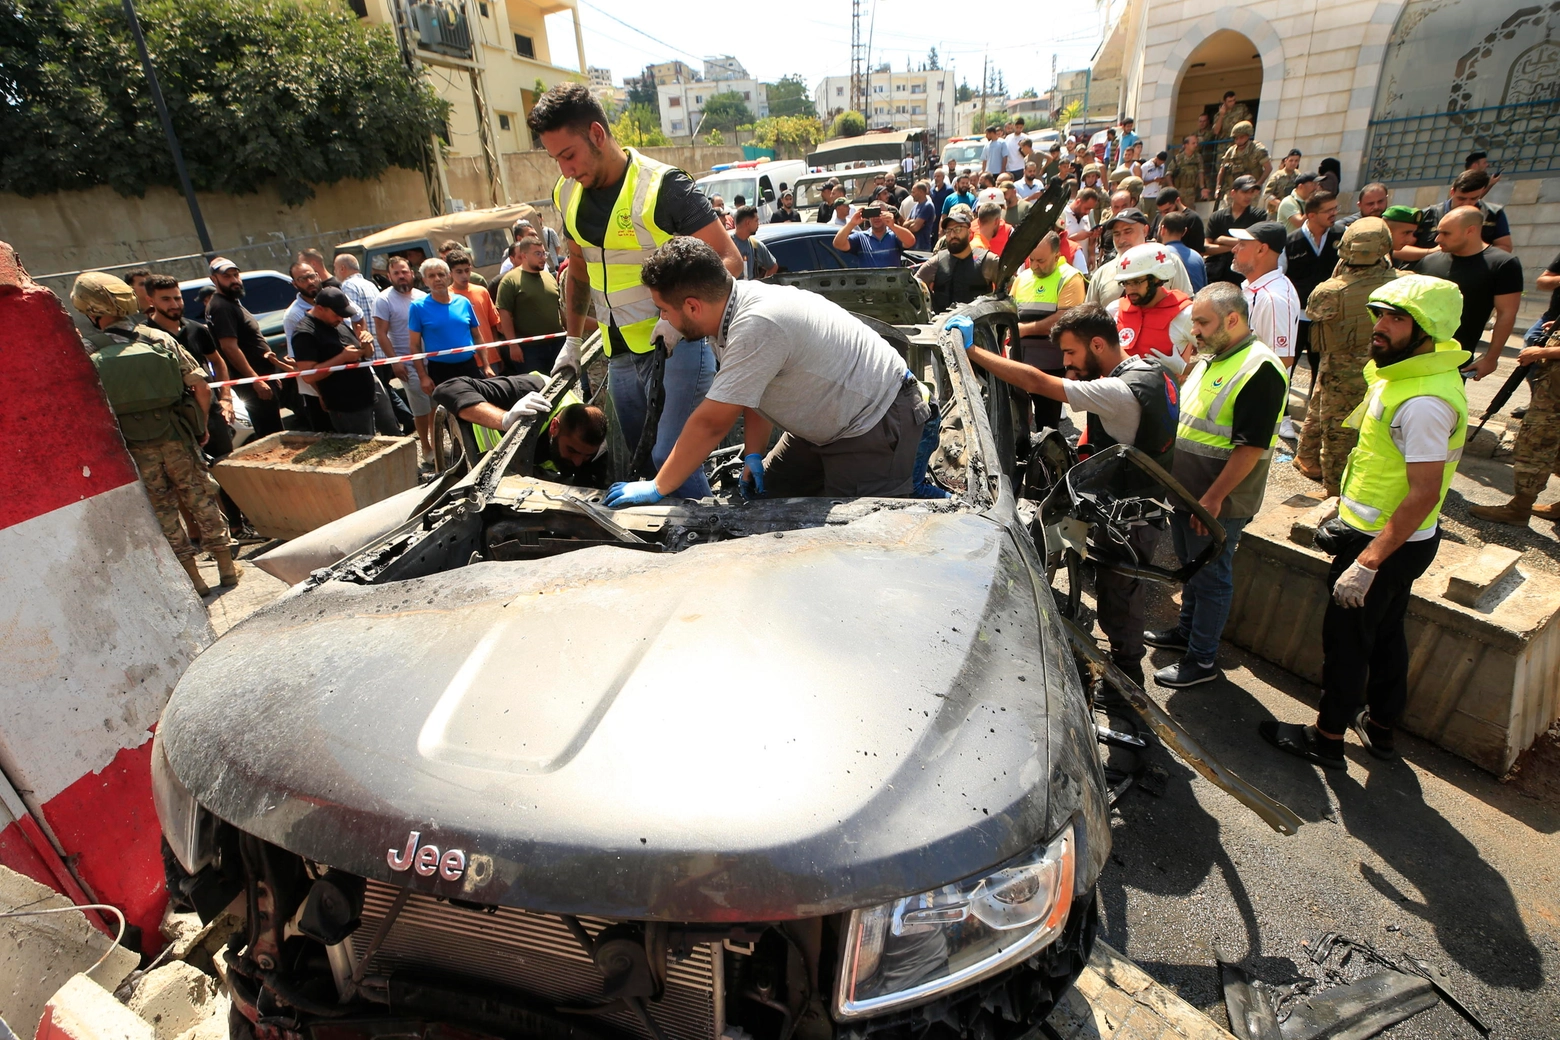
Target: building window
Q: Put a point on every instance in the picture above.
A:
(674, 102)
(915, 110)
(900, 108)
(525, 46)
(918, 88)
(747, 95)
(677, 126)
(483, 9)
(698, 99)
(503, 121)
(839, 91)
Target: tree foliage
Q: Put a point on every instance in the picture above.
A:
(726, 111)
(932, 60)
(639, 127)
(715, 138)
(789, 97)
(963, 92)
(849, 124)
(790, 136)
(293, 92)
(641, 89)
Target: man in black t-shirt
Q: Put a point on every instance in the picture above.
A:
(1238, 212)
(1548, 282)
(167, 313)
(1170, 201)
(953, 275)
(321, 338)
(243, 347)
(1490, 280)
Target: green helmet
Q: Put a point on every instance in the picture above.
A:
(1434, 303)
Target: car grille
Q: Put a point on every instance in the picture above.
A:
(530, 952)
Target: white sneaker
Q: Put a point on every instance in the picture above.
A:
(1288, 430)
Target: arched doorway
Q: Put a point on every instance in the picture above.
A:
(1225, 60)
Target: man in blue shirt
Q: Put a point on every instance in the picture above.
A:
(994, 156)
(1172, 227)
(1129, 135)
(443, 321)
(878, 247)
(962, 196)
(941, 189)
(920, 216)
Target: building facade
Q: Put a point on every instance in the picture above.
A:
(1398, 91)
(488, 59)
(672, 72)
(724, 66)
(682, 104)
(898, 99)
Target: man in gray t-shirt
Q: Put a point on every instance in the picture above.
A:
(850, 412)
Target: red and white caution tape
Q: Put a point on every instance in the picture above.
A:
(396, 360)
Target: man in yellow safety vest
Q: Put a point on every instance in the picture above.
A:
(1231, 400)
(618, 205)
(1413, 423)
(573, 448)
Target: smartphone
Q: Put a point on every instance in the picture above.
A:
(872, 211)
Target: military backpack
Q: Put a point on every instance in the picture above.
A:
(145, 387)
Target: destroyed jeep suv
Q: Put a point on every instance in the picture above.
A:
(805, 768)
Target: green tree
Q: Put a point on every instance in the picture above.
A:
(963, 92)
(641, 90)
(290, 92)
(726, 111)
(790, 136)
(849, 124)
(931, 59)
(714, 138)
(639, 127)
(789, 97)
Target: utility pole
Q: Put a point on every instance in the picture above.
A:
(858, 55)
(173, 138)
(985, 80)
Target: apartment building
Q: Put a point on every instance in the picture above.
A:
(900, 99)
(672, 72)
(682, 104)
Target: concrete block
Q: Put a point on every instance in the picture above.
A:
(1483, 681)
(1303, 531)
(213, 1028)
(1524, 192)
(83, 1010)
(39, 955)
(175, 998)
(1470, 582)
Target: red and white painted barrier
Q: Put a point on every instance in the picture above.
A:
(97, 622)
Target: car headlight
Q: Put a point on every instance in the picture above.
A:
(919, 947)
(190, 830)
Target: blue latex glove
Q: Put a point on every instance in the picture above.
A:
(633, 493)
(965, 327)
(753, 483)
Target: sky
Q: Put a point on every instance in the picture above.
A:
(812, 37)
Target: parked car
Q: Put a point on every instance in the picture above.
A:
(809, 247)
(966, 152)
(757, 182)
(857, 182)
(829, 771)
(265, 292)
(485, 232)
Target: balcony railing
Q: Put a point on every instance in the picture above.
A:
(1430, 148)
(439, 27)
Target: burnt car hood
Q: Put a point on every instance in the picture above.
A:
(764, 728)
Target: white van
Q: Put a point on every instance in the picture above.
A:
(758, 182)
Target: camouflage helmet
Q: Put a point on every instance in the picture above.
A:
(1242, 129)
(99, 295)
(1366, 242)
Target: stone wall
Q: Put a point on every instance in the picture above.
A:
(80, 230)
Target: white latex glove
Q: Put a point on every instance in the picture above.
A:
(1175, 364)
(532, 404)
(569, 356)
(1353, 584)
(666, 334)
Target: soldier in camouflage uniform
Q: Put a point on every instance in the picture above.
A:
(1230, 115)
(1185, 169)
(164, 439)
(1538, 441)
(1243, 158)
(1281, 183)
(1340, 332)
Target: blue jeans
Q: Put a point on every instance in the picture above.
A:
(689, 372)
(1205, 600)
(1535, 336)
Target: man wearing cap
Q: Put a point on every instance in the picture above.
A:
(1243, 158)
(880, 243)
(1272, 306)
(1153, 318)
(1291, 209)
(1282, 182)
(956, 273)
(1403, 225)
(1341, 327)
(840, 211)
(141, 364)
(1129, 228)
(1231, 398)
(851, 412)
(1237, 212)
(243, 347)
(1413, 423)
(354, 401)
